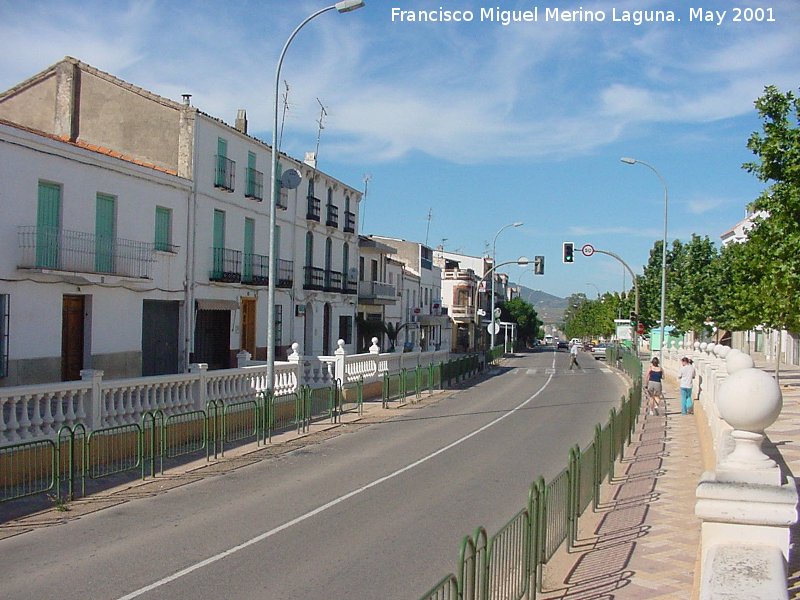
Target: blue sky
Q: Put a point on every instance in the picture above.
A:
(480, 123)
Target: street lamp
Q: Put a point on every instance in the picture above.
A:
(633, 161)
(343, 7)
(494, 262)
(595, 287)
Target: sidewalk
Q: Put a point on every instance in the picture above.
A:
(643, 543)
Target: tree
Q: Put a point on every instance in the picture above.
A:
(775, 237)
(692, 284)
(525, 316)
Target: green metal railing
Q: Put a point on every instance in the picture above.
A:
(509, 564)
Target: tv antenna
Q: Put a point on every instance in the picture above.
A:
(285, 110)
(428, 230)
(320, 126)
(362, 210)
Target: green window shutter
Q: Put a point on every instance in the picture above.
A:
(222, 163)
(345, 262)
(163, 238)
(251, 174)
(249, 236)
(309, 249)
(219, 243)
(278, 173)
(277, 242)
(48, 225)
(104, 234)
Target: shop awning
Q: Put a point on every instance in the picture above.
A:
(217, 304)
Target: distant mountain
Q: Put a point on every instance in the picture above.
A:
(550, 308)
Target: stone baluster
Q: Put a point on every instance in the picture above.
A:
(746, 506)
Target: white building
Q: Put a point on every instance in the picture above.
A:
(93, 261)
(225, 220)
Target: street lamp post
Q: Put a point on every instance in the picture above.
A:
(633, 161)
(343, 7)
(494, 262)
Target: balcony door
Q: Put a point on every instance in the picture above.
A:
(105, 217)
(248, 337)
(48, 225)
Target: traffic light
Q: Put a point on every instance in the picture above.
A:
(538, 265)
(634, 317)
(569, 253)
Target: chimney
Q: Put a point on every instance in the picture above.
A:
(241, 121)
(311, 159)
(186, 99)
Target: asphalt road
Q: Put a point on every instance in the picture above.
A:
(375, 513)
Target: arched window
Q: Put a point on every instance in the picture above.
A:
(347, 204)
(330, 195)
(345, 263)
(310, 187)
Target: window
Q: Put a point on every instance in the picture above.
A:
(346, 328)
(163, 240)
(279, 325)
(225, 169)
(255, 179)
(426, 257)
(361, 268)
(4, 312)
(374, 270)
(309, 249)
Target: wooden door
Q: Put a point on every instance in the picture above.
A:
(72, 332)
(248, 339)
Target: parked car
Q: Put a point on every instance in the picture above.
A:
(599, 351)
(563, 345)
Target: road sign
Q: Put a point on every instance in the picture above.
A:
(587, 250)
(496, 327)
(640, 328)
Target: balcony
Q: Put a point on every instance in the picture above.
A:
(285, 273)
(256, 269)
(376, 292)
(50, 248)
(333, 281)
(350, 285)
(312, 214)
(282, 200)
(225, 173)
(314, 278)
(463, 314)
(332, 218)
(227, 265)
(463, 274)
(255, 185)
(349, 222)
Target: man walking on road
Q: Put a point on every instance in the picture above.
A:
(573, 356)
(685, 376)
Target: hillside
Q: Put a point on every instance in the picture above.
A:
(550, 308)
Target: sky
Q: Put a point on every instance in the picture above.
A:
(463, 127)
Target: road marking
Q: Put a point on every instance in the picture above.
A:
(267, 534)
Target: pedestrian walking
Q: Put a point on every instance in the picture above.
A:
(652, 380)
(685, 377)
(573, 356)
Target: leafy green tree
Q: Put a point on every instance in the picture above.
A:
(775, 238)
(525, 316)
(692, 284)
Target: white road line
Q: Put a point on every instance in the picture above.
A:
(267, 534)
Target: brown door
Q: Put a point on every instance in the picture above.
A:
(72, 337)
(248, 340)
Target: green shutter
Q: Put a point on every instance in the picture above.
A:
(163, 229)
(104, 234)
(219, 243)
(48, 225)
(249, 235)
(222, 155)
(277, 242)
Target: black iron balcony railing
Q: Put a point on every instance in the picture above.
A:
(62, 250)
(282, 199)
(332, 219)
(226, 266)
(351, 285)
(255, 184)
(333, 281)
(314, 278)
(349, 222)
(285, 273)
(255, 269)
(225, 173)
(312, 214)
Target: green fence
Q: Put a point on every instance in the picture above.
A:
(509, 564)
(410, 384)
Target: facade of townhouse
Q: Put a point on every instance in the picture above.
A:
(227, 236)
(426, 326)
(93, 261)
(378, 284)
(761, 340)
